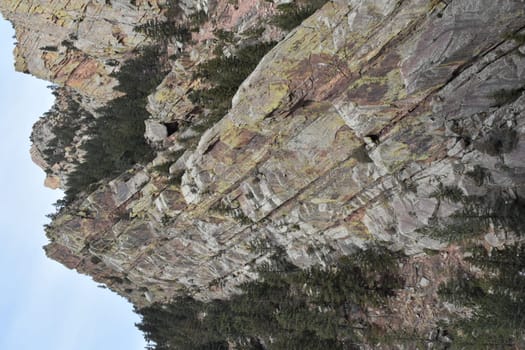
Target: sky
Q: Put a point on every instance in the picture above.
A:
(43, 305)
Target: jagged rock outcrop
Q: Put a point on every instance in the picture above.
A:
(81, 44)
(342, 135)
(77, 44)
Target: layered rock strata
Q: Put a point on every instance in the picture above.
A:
(342, 135)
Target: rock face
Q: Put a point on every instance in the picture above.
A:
(342, 135)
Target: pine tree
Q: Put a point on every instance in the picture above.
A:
(497, 300)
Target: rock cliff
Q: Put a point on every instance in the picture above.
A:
(344, 134)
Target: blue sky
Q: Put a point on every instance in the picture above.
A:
(43, 305)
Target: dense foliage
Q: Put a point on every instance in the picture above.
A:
(496, 296)
(478, 213)
(161, 30)
(173, 26)
(497, 300)
(225, 74)
(117, 136)
(290, 15)
(117, 140)
(286, 308)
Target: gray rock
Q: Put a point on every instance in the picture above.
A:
(155, 131)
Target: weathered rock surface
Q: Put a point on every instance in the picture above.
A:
(341, 136)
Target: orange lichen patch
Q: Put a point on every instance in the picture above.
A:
(61, 66)
(84, 71)
(336, 84)
(356, 216)
(327, 73)
(330, 74)
(52, 182)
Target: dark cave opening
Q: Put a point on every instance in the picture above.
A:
(171, 127)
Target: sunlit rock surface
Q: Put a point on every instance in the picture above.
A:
(341, 136)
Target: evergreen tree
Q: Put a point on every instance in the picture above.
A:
(290, 15)
(478, 213)
(164, 30)
(497, 300)
(286, 308)
(117, 137)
